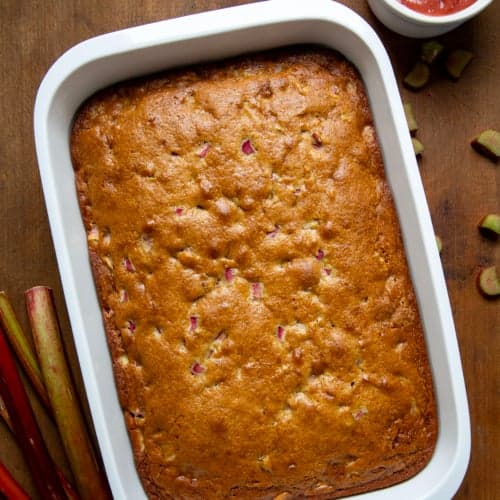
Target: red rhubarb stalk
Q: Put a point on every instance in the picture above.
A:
(90, 480)
(9, 487)
(68, 487)
(25, 427)
(22, 348)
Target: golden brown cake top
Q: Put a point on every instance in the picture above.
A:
(256, 297)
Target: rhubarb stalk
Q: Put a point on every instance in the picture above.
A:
(5, 415)
(25, 427)
(9, 487)
(22, 348)
(90, 481)
(68, 487)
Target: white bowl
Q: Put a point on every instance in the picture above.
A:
(408, 22)
(107, 59)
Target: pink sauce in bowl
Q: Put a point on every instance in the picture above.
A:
(437, 7)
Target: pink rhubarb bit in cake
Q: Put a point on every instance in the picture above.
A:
(196, 369)
(274, 232)
(246, 147)
(280, 332)
(204, 151)
(257, 290)
(193, 323)
(316, 140)
(128, 265)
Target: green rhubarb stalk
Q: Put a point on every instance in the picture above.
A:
(22, 348)
(90, 481)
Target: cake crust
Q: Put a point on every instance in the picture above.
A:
(264, 332)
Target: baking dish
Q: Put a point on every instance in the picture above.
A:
(106, 59)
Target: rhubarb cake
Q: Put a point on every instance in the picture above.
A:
(263, 328)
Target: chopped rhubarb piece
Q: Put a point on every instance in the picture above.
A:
(410, 117)
(456, 62)
(490, 224)
(439, 243)
(488, 281)
(418, 77)
(430, 51)
(196, 369)
(257, 290)
(320, 254)
(487, 143)
(328, 271)
(179, 210)
(274, 232)
(316, 140)
(204, 151)
(280, 332)
(123, 295)
(128, 265)
(193, 323)
(228, 274)
(131, 325)
(246, 147)
(418, 147)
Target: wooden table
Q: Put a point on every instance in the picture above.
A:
(460, 185)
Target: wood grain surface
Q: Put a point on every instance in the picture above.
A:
(460, 185)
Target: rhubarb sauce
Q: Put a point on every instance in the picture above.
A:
(437, 7)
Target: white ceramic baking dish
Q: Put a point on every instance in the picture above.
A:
(106, 59)
(411, 23)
